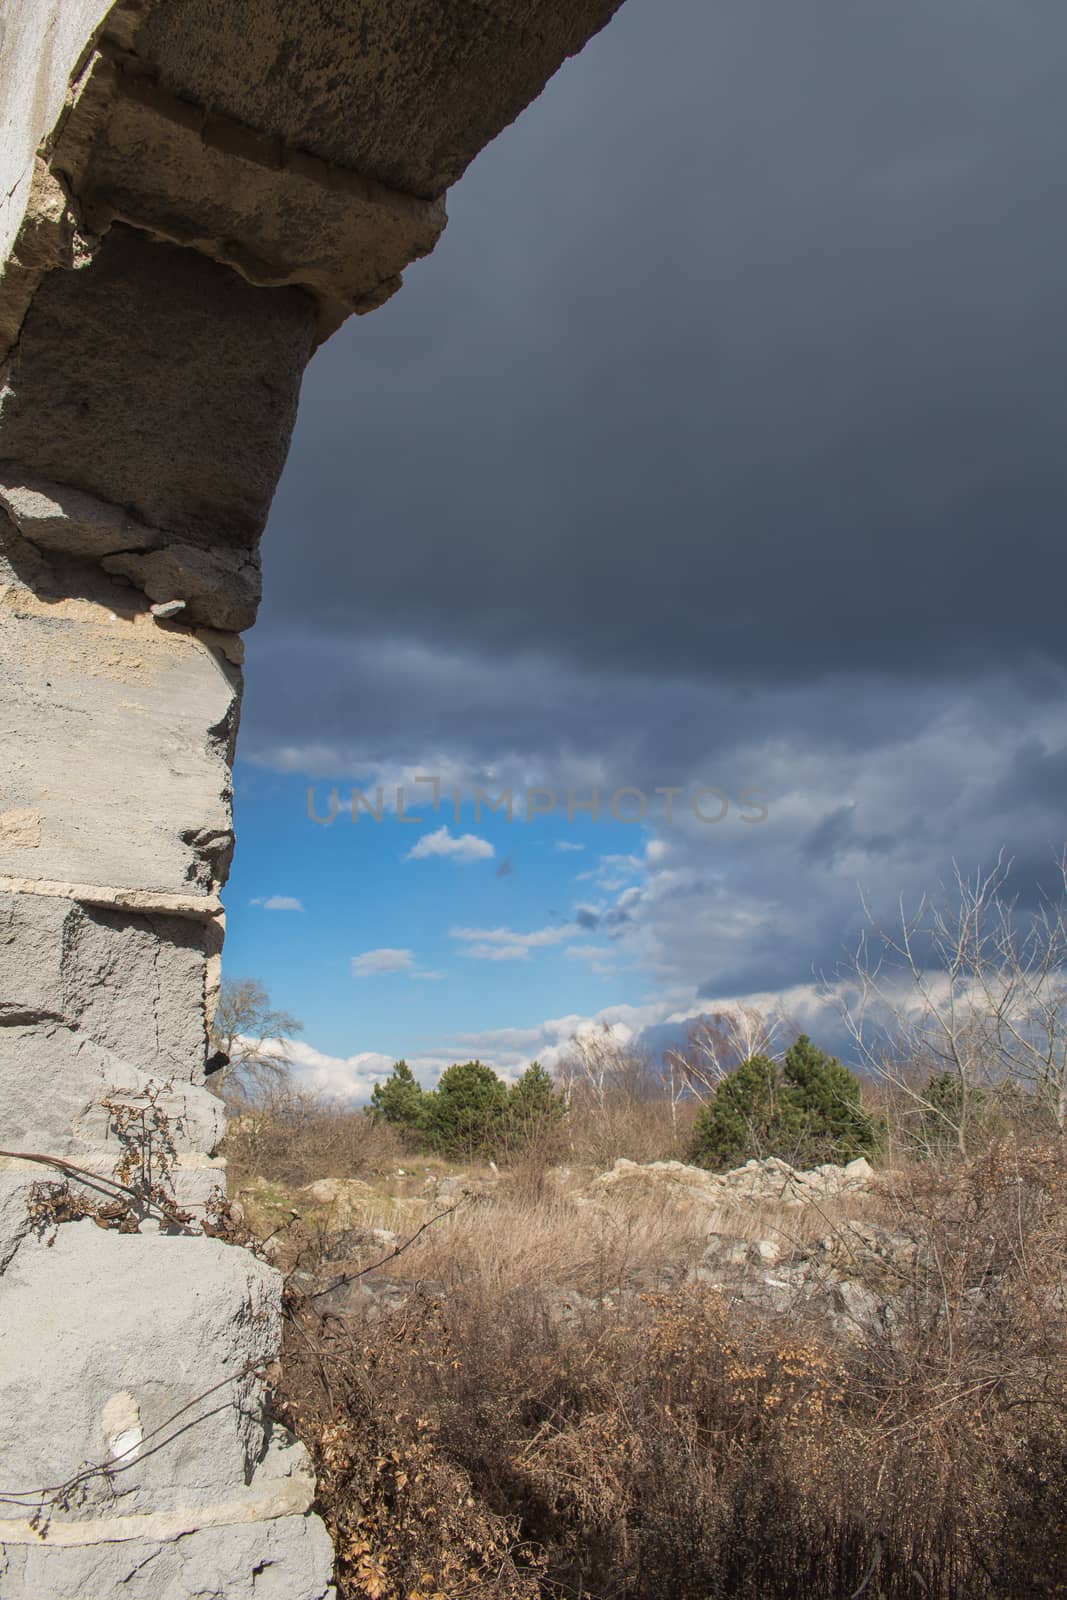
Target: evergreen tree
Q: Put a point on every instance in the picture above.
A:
(534, 1106)
(749, 1116)
(466, 1112)
(400, 1100)
(828, 1100)
(807, 1111)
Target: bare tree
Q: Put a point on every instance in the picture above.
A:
(600, 1067)
(615, 1092)
(966, 994)
(717, 1044)
(252, 1035)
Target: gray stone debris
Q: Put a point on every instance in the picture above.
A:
(769, 1180)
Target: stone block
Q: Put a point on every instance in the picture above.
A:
(162, 382)
(54, 1080)
(353, 84)
(114, 749)
(140, 1352)
(282, 1559)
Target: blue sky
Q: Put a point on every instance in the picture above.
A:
(718, 443)
(360, 892)
(422, 934)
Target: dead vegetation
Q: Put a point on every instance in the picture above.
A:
(541, 1398)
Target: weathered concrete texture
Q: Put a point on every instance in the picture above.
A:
(184, 1434)
(405, 91)
(105, 710)
(162, 382)
(192, 194)
(220, 588)
(132, 984)
(41, 44)
(98, 1003)
(275, 1560)
(128, 151)
(54, 1082)
(47, 237)
(210, 1315)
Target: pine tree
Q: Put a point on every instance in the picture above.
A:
(400, 1100)
(828, 1100)
(534, 1106)
(465, 1114)
(807, 1111)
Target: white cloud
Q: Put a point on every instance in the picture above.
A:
(464, 847)
(498, 952)
(376, 963)
(279, 902)
(809, 1007)
(503, 944)
(565, 844)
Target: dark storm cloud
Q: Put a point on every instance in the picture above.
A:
(721, 440)
(757, 317)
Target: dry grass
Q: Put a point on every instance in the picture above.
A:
(291, 1137)
(511, 1245)
(655, 1440)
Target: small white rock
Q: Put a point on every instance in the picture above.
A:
(167, 608)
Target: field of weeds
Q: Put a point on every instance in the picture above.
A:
(557, 1389)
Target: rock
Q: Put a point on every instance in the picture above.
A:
(772, 1180)
(350, 1202)
(79, 1315)
(60, 521)
(307, 70)
(859, 1313)
(285, 1557)
(191, 203)
(221, 588)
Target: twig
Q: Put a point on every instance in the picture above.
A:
(876, 1561)
(71, 1170)
(350, 1277)
(26, 1497)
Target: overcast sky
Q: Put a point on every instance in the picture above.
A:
(720, 443)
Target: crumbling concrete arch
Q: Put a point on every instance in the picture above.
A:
(192, 196)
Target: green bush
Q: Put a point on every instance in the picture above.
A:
(472, 1112)
(807, 1110)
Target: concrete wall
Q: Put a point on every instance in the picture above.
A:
(196, 195)
(41, 46)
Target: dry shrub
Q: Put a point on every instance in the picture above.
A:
(295, 1138)
(639, 1127)
(655, 1439)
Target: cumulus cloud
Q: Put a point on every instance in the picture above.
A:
(377, 963)
(462, 847)
(279, 902)
(503, 944)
